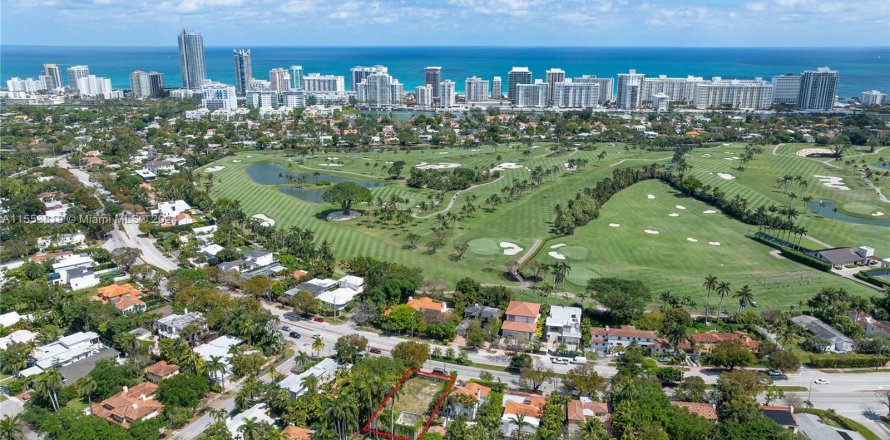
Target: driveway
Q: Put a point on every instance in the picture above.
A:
(126, 234)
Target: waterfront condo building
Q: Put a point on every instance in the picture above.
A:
(316, 82)
(554, 76)
(872, 97)
(677, 89)
(630, 90)
(606, 86)
(535, 95)
(75, 73)
(476, 89)
(569, 94)
(279, 79)
(296, 77)
(191, 60)
(243, 71)
(753, 94)
(423, 96)
(216, 95)
(786, 88)
(433, 76)
(357, 74)
(497, 89)
(818, 89)
(146, 84)
(516, 76)
(446, 94)
(380, 89)
(27, 85)
(53, 76)
(94, 86)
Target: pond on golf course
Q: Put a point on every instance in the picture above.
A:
(274, 174)
(827, 210)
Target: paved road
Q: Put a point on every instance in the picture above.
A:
(126, 234)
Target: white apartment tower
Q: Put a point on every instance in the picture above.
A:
(872, 97)
(279, 79)
(191, 60)
(661, 102)
(818, 89)
(423, 96)
(146, 84)
(787, 88)
(497, 89)
(446, 94)
(27, 85)
(53, 76)
(316, 82)
(476, 89)
(296, 77)
(94, 86)
(568, 94)
(753, 94)
(554, 76)
(243, 70)
(75, 73)
(516, 76)
(677, 89)
(630, 90)
(606, 86)
(380, 89)
(357, 74)
(535, 95)
(217, 95)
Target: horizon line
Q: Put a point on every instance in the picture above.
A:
(327, 46)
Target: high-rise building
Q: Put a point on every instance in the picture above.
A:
(27, 85)
(554, 76)
(446, 94)
(94, 86)
(264, 99)
(146, 84)
(259, 84)
(516, 76)
(476, 89)
(497, 90)
(279, 79)
(216, 95)
(379, 89)
(358, 73)
(53, 76)
(316, 82)
(243, 70)
(423, 96)
(191, 60)
(433, 76)
(569, 94)
(818, 89)
(630, 90)
(677, 89)
(533, 95)
(872, 97)
(755, 94)
(75, 73)
(296, 77)
(661, 102)
(293, 98)
(607, 86)
(787, 88)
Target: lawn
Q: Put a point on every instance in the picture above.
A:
(416, 394)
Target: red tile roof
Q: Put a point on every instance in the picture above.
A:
(525, 309)
(162, 369)
(516, 326)
(575, 410)
(705, 410)
(625, 331)
(471, 389)
(292, 432)
(129, 405)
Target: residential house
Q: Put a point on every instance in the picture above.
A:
(65, 351)
(482, 313)
(160, 166)
(337, 299)
(18, 337)
(468, 399)
(220, 347)
(172, 326)
(257, 412)
(840, 257)
(783, 415)
(171, 209)
(314, 286)
(90, 162)
(259, 258)
(708, 340)
(66, 262)
(146, 175)
(324, 371)
(211, 250)
(161, 370)
(530, 406)
(61, 240)
(148, 338)
(80, 278)
(871, 325)
(836, 341)
(577, 411)
(41, 257)
(705, 410)
(812, 427)
(181, 219)
(123, 296)
(426, 304)
(12, 318)
(521, 320)
(130, 405)
(606, 339)
(564, 325)
(352, 282)
(291, 432)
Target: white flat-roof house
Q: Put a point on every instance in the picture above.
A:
(171, 209)
(80, 278)
(323, 370)
(171, 326)
(564, 325)
(256, 412)
(64, 351)
(220, 347)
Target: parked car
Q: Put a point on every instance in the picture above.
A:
(822, 381)
(579, 360)
(294, 335)
(375, 350)
(316, 335)
(665, 360)
(775, 373)
(285, 328)
(559, 360)
(439, 371)
(317, 318)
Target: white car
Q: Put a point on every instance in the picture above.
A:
(822, 381)
(559, 361)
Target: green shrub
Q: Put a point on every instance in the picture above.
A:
(795, 255)
(848, 360)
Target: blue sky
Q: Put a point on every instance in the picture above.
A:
(770, 23)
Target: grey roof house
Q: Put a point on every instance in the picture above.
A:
(837, 341)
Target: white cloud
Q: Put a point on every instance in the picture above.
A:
(755, 6)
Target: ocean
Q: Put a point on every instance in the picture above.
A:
(860, 69)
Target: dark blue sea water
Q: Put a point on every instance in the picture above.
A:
(860, 68)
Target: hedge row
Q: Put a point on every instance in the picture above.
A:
(848, 360)
(865, 275)
(795, 255)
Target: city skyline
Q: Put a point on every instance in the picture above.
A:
(602, 23)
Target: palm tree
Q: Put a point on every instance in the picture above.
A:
(48, 386)
(216, 369)
(302, 360)
(252, 429)
(310, 383)
(396, 393)
(722, 289)
(710, 284)
(317, 345)
(559, 270)
(11, 428)
(195, 362)
(745, 297)
(592, 429)
(520, 423)
(85, 387)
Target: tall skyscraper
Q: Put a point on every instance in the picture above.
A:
(75, 73)
(516, 76)
(446, 93)
(872, 97)
(191, 60)
(296, 77)
(146, 84)
(433, 77)
(630, 90)
(576, 95)
(94, 86)
(497, 90)
(554, 76)
(279, 79)
(28, 85)
(217, 95)
(423, 96)
(358, 74)
(787, 88)
(53, 76)
(677, 89)
(755, 94)
(316, 82)
(380, 89)
(533, 95)
(243, 71)
(818, 89)
(607, 86)
(476, 89)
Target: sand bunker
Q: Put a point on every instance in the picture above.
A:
(679, 207)
(556, 255)
(248, 156)
(650, 196)
(706, 155)
(214, 169)
(726, 176)
(709, 211)
(264, 219)
(673, 214)
(557, 245)
(569, 167)
(833, 182)
(877, 213)
(614, 225)
(437, 166)
(714, 243)
(330, 164)
(236, 160)
(443, 152)
(510, 248)
(333, 158)
(506, 166)
(650, 231)
(815, 152)
(691, 239)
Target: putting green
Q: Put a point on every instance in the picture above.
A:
(574, 252)
(485, 246)
(861, 208)
(579, 276)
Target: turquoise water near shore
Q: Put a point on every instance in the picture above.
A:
(860, 68)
